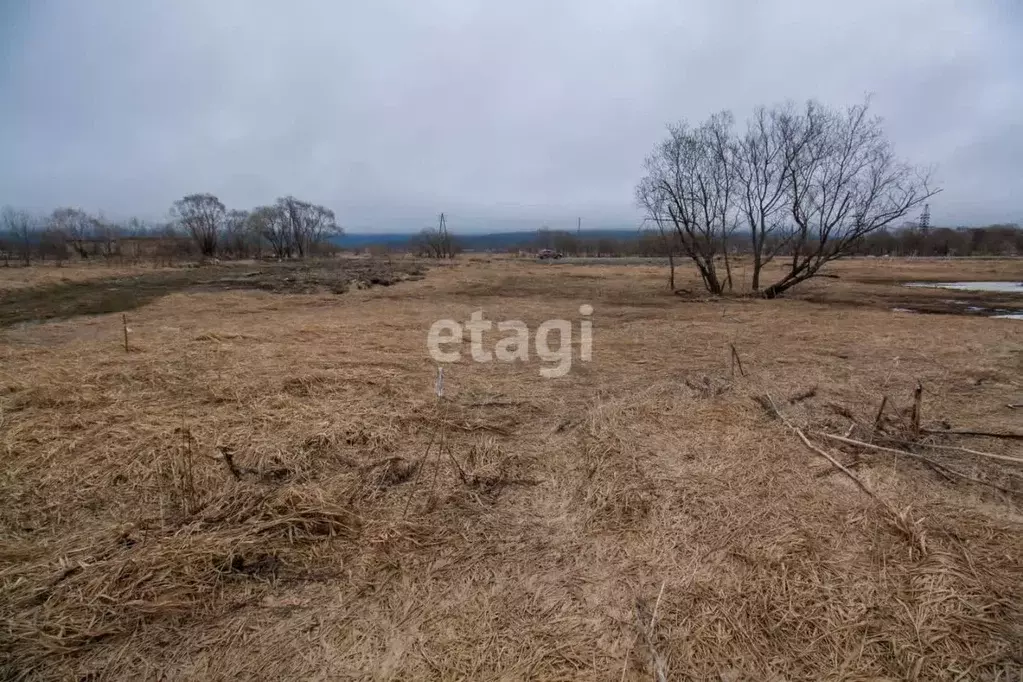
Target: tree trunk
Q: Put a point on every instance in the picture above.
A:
(728, 269)
(710, 278)
(780, 287)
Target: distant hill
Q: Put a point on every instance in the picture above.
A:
(359, 240)
(473, 242)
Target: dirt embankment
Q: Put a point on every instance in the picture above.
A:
(118, 293)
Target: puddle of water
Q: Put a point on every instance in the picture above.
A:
(1000, 287)
(1004, 287)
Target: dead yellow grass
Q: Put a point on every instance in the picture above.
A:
(16, 276)
(266, 487)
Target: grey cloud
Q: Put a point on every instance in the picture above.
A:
(498, 113)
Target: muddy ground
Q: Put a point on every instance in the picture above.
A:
(72, 296)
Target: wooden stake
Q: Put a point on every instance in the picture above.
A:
(918, 394)
(880, 413)
(124, 321)
(736, 360)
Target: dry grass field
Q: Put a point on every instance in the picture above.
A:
(265, 485)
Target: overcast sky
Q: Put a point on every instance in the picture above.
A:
(502, 113)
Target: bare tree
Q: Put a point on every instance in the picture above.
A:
(106, 237)
(77, 226)
(810, 184)
(236, 237)
(53, 243)
(202, 215)
(690, 185)
(254, 225)
(274, 227)
(438, 242)
(309, 224)
(843, 183)
(762, 172)
(172, 243)
(20, 228)
(6, 247)
(243, 235)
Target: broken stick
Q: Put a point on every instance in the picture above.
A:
(976, 432)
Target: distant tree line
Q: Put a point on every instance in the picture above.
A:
(906, 240)
(1004, 239)
(201, 226)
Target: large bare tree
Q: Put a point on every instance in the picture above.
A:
(309, 224)
(273, 226)
(843, 183)
(808, 183)
(202, 215)
(691, 187)
(761, 173)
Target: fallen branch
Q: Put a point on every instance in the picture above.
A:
(922, 458)
(975, 432)
(838, 465)
(956, 448)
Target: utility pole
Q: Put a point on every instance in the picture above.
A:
(446, 246)
(925, 218)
